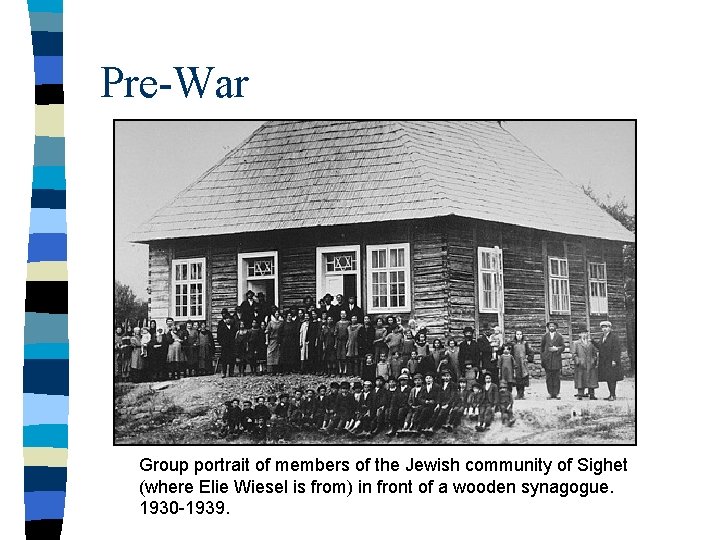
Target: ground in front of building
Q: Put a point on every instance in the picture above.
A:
(189, 411)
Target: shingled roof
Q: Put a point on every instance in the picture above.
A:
(294, 174)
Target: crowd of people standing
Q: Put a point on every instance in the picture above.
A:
(335, 338)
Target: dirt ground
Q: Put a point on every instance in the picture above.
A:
(188, 411)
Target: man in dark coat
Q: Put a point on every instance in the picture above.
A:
(226, 340)
(353, 309)
(469, 350)
(551, 349)
(609, 367)
(246, 311)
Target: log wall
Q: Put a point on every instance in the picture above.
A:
(443, 275)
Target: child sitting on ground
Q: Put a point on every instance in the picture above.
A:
(461, 402)
(246, 417)
(474, 401)
(261, 416)
(505, 400)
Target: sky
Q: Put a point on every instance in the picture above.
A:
(155, 160)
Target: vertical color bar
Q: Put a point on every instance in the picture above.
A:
(45, 368)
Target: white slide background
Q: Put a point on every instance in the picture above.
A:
(651, 61)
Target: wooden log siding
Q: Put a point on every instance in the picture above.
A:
(617, 313)
(223, 267)
(524, 275)
(297, 274)
(159, 272)
(443, 272)
(577, 271)
(429, 274)
(462, 266)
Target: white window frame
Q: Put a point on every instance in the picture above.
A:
(243, 277)
(320, 271)
(368, 279)
(560, 279)
(173, 282)
(499, 285)
(598, 303)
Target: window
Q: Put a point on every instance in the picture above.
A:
(258, 273)
(559, 286)
(598, 288)
(188, 286)
(338, 271)
(388, 278)
(490, 279)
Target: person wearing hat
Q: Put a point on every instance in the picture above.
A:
(609, 367)
(246, 310)
(414, 408)
(584, 356)
(398, 404)
(329, 403)
(365, 411)
(461, 405)
(551, 349)
(488, 404)
(428, 396)
(380, 403)
(469, 351)
(226, 341)
(345, 407)
(447, 397)
(505, 401)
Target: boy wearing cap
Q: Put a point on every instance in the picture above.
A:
(447, 397)
(488, 404)
(278, 420)
(428, 397)
(261, 416)
(343, 409)
(414, 407)
(505, 400)
(329, 403)
(320, 403)
(246, 417)
(380, 404)
(398, 407)
(365, 412)
(460, 407)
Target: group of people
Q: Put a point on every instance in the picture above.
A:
(365, 409)
(149, 353)
(336, 338)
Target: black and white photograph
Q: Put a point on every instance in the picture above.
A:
(332, 282)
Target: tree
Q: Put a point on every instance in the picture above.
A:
(128, 306)
(619, 211)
